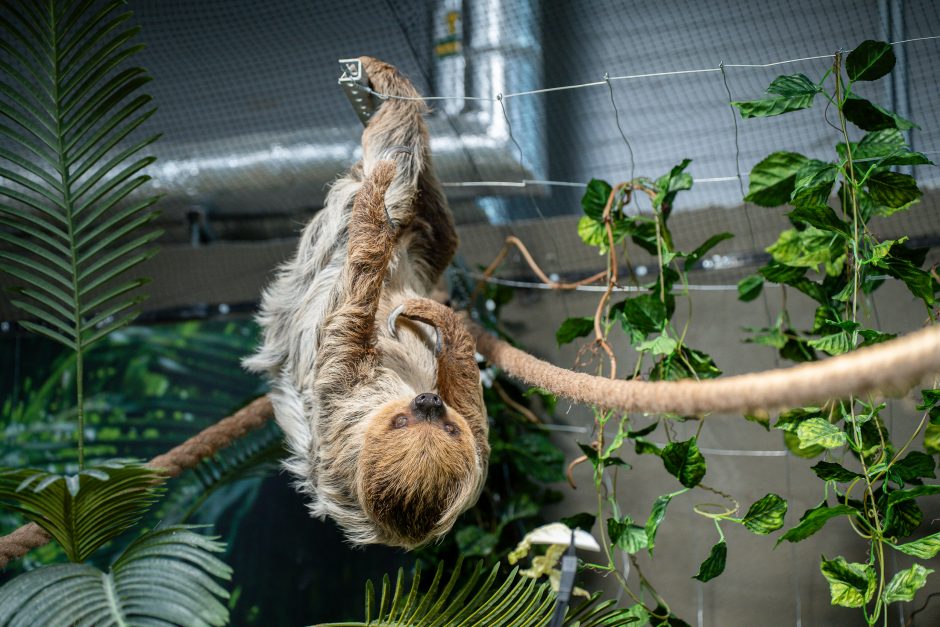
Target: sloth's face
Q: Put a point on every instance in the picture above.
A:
(417, 468)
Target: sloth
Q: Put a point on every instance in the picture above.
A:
(375, 385)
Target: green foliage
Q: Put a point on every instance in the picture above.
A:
(850, 584)
(72, 226)
(766, 515)
(787, 93)
(479, 598)
(85, 510)
(684, 462)
(714, 564)
(166, 576)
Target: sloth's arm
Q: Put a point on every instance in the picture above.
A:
(347, 339)
(458, 376)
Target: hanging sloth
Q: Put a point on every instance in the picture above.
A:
(374, 385)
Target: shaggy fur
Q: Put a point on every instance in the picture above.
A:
(343, 387)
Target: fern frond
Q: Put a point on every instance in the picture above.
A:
(165, 577)
(86, 510)
(67, 168)
(480, 599)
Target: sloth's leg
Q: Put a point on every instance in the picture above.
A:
(347, 337)
(458, 377)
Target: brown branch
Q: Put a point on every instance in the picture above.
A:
(513, 241)
(205, 443)
(889, 367)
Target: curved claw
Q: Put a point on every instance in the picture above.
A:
(393, 331)
(393, 320)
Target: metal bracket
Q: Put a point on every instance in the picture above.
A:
(355, 84)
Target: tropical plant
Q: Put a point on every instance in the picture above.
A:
(83, 511)
(837, 261)
(73, 228)
(480, 598)
(186, 592)
(74, 225)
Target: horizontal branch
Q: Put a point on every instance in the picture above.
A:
(204, 444)
(891, 367)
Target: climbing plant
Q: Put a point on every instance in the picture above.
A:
(832, 255)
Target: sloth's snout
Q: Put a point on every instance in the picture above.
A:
(427, 406)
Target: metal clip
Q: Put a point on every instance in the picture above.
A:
(355, 84)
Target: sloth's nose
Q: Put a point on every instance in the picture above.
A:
(428, 406)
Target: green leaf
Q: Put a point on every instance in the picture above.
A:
(905, 584)
(813, 184)
(626, 535)
(684, 462)
(869, 61)
(830, 471)
(750, 287)
(893, 190)
(714, 564)
(660, 345)
(766, 515)
(899, 496)
(932, 439)
(790, 93)
(879, 149)
(593, 233)
(821, 217)
(657, 514)
(819, 432)
(641, 315)
(671, 184)
(850, 584)
(807, 248)
(773, 179)
(902, 519)
(815, 519)
(790, 420)
(776, 272)
(870, 117)
(834, 344)
(167, 576)
(925, 548)
(595, 199)
(915, 465)
(706, 246)
(792, 442)
(573, 328)
(82, 512)
(583, 520)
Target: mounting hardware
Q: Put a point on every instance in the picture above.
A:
(355, 83)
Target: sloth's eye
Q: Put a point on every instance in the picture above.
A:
(400, 421)
(450, 428)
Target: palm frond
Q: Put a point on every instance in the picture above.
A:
(478, 599)
(68, 166)
(85, 510)
(166, 577)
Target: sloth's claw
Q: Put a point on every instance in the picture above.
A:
(393, 331)
(393, 320)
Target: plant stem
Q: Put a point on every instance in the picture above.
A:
(67, 204)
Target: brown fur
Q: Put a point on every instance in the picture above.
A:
(344, 386)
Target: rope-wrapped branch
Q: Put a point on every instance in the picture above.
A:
(889, 368)
(204, 444)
